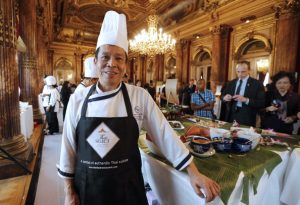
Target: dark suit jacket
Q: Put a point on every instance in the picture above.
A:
(247, 114)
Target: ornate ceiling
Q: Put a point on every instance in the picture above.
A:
(79, 21)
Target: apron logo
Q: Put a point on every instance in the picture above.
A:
(102, 140)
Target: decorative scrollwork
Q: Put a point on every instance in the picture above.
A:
(7, 30)
(287, 6)
(29, 62)
(1, 28)
(221, 29)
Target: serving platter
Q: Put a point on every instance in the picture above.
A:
(209, 153)
(180, 125)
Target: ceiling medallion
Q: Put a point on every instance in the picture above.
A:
(152, 42)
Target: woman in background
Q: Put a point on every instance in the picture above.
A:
(281, 104)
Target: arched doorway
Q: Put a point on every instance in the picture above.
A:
(150, 70)
(170, 69)
(256, 50)
(202, 66)
(64, 70)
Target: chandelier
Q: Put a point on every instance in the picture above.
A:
(152, 42)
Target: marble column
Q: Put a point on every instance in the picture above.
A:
(179, 61)
(220, 55)
(29, 71)
(130, 70)
(11, 139)
(287, 42)
(159, 64)
(78, 65)
(144, 70)
(184, 51)
(49, 67)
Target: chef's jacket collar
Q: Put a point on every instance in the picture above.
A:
(99, 91)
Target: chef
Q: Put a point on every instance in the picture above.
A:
(100, 160)
(52, 106)
(91, 74)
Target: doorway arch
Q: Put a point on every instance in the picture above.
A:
(202, 65)
(64, 70)
(257, 50)
(170, 67)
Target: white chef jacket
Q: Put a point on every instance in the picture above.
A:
(80, 87)
(45, 99)
(54, 99)
(145, 111)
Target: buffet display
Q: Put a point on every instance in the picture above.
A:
(234, 149)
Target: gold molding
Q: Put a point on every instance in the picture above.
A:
(29, 62)
(7, 31)
(201, 49)
(221, 29)
(251, 36)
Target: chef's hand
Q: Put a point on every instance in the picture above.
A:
(71, 197)
(210, 188)
(227, 98)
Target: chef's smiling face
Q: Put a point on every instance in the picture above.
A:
(111, 61)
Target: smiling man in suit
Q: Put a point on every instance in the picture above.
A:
(244, 96)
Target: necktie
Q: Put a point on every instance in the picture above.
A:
(237, 92)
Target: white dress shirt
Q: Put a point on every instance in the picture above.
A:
(243, 88)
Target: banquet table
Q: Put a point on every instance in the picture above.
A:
(255, 178)
(26, 120)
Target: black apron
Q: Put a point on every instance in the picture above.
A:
(115, 177)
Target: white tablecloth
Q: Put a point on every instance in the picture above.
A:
(291, 186)
(172, 187)
(26, 120)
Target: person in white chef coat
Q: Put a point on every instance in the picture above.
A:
(100, 160)
(91, 74)
(52, 106)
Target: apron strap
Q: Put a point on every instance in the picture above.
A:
(127, 100)
(84, 106)
(93, 88)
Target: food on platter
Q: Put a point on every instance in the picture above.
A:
(176, 125)
(196, 130)
(269, 141)
(200, 144)
(272, 133)
(209, 153)
(200, 140)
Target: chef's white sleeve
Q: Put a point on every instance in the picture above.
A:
(66, 168)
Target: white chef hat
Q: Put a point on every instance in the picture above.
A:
(90, 69)
(50, 80)
(113, 31)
